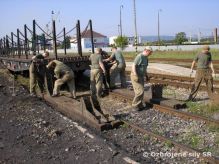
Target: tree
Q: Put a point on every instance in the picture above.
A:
(66, 42)
(180, 38)
(121, 41)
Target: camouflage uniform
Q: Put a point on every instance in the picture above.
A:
(141, 63)
(37, 71)
(96, 77)
(64, 74)
(118, 68)
(203, 73)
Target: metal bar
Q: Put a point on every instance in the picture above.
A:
(54, 39)
(91, 35)
(25, 41)
(4, 43)
(44, 42)
(64, 40)
(34, 38)
(18, 44)
(37, 43)
(12, 44)
(7, 45)
(79, 38)
(1, 47)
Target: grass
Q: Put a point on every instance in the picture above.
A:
(168, 144)
(205, 110)
(173, 54)
(124, 126)
(213, 129)
(146, 137)
(193, 140)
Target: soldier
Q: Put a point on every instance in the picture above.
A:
(96, 78)
(107, 65)
(139, 70)
(37, 73)
(203, 72)
(63, 74)
(118, 67)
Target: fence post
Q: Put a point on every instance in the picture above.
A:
(79, 38)
(25, 41)
(12, 43)
(64, 40)
(4, 46)
(7, 45)
(91, 35)
(44, 42)
(34, 38)
(0, 46)
(37, 44)
(54, 39)
(18, 44)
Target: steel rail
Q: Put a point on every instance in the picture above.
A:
(174, 77)
(178, 60)
(168, 110)
(178, 84)
(210, 159)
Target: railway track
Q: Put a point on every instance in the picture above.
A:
(177, 60)
(177, 81)
(210, 159)
(144, 131)
(68, 102)
(128, 96)
(180, 114)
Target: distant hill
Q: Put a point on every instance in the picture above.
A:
(154, 38)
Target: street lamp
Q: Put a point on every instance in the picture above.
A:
(158, 27)
(121, 7)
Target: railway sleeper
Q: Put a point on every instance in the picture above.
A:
(154, 94)
(86, 109)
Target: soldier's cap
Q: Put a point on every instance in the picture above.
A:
(148, 48)
(206, 48)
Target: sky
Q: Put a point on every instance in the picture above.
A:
(190, 16)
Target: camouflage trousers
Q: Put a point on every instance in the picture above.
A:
(37, 77)
(68, 78)
(138, 86)
(96, 82)
(116, 70)
(202, 75)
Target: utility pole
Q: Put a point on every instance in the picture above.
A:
(135, 25)
(121, 6)
(158, 26)
(119, 29)
(215, 35)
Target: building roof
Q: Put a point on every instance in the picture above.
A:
(87, 34)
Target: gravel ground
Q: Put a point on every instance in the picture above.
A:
(195, 134)
(138, 144)
(32, 132)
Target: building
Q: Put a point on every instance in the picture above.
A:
(99, 40)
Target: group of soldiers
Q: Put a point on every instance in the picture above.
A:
(38, 70)
(105, 69)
